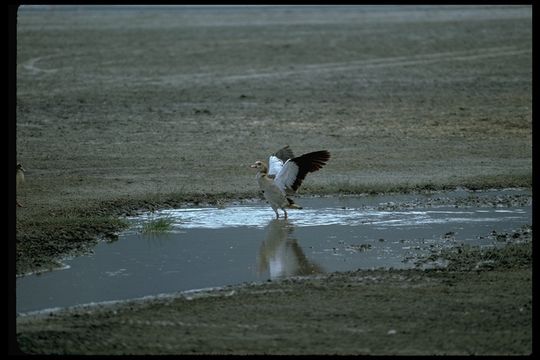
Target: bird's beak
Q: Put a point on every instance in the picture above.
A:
(253, 166)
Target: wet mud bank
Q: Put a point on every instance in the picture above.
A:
(479, 303)
(195, 247)
(44, 241)
(465, 309)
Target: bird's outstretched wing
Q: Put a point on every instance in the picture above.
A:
(284, 154)
(294, 171)
(276, 160)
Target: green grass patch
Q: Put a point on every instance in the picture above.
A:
(160, 225)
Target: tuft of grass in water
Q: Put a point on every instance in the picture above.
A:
(160, 225)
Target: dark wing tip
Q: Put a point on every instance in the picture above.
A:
(307, 163)
(315, 160)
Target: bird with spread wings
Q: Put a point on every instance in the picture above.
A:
(283, 174)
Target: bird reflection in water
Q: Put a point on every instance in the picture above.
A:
(281, 255)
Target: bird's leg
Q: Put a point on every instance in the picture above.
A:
(277, 214)
(285, 211)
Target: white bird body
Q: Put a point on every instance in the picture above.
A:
(274, 165)
(272, 192)
(285, 174)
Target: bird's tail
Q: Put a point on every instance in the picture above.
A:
(292, 204)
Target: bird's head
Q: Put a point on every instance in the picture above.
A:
(20, 167)
(259, 165)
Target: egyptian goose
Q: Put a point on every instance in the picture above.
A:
(20, 179)
(285, 174)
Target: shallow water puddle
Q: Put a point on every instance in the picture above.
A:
(210, 247)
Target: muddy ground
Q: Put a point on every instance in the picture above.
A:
(128, 109)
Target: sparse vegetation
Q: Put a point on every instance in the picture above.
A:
(159, 225)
